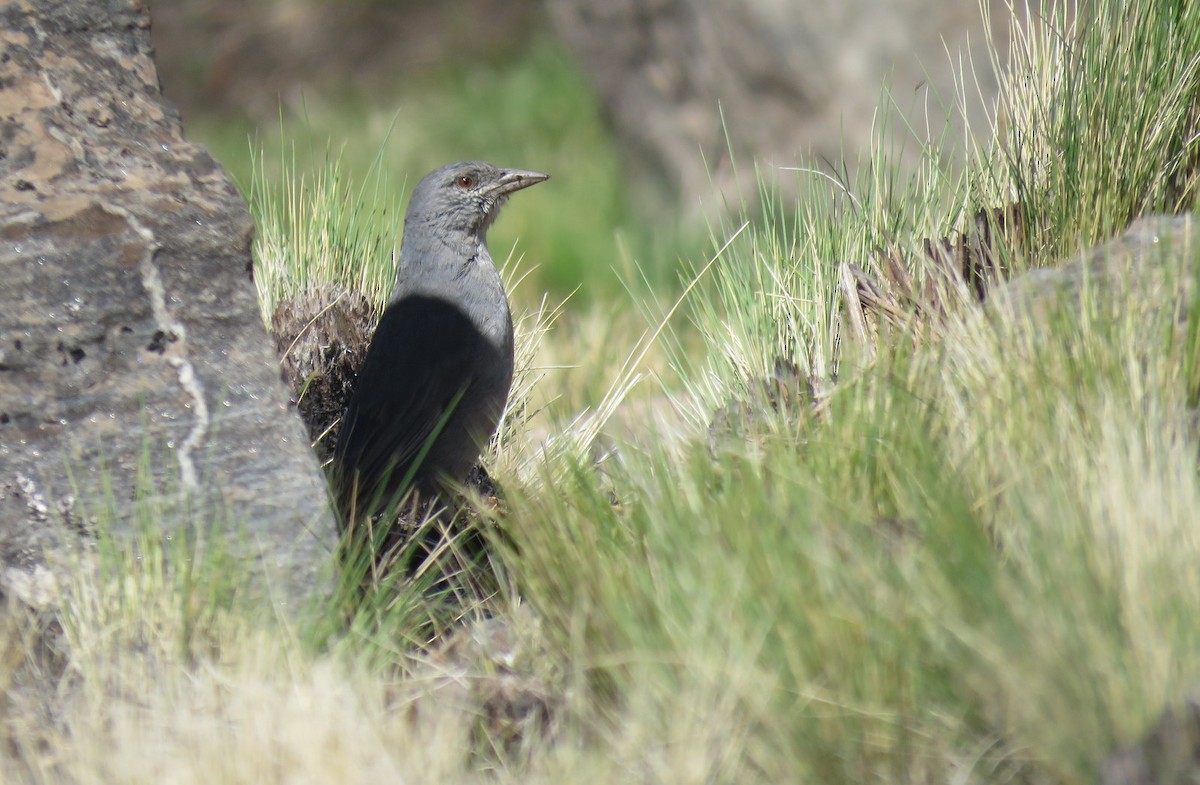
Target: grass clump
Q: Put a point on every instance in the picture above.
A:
(970, 563)
(317, 228)
(1099, 118)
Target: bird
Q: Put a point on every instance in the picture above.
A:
(439, 368)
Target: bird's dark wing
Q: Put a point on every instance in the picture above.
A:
(418, 365)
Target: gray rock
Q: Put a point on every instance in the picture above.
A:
(129, 325)
(1170, 752)
(1155, 259)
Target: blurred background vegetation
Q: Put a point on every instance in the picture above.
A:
(643, 114)
(413, 85)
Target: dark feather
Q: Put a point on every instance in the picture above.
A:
(419, 375)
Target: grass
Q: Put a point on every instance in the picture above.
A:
(317, 228)
(1061, 148)
(973, 561)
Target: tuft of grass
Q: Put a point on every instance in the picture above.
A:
(972, 563)
(315, 227)
(1099, 117)
(776, 294)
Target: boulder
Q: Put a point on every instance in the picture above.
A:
(134, 364)
(1155, 258)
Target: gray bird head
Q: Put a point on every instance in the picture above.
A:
(465, 197)
(445, 230)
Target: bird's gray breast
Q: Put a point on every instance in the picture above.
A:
(476, 290)
(481, 298)
(474, 287)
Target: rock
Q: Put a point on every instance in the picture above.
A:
(1169, 754)
(1155, 259)
(246, 57)
(1152, 263)
(789, 82)
(129, 325)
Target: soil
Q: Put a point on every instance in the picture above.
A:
(321, 338)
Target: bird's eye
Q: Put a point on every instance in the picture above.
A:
(466, 181)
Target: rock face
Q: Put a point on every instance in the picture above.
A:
(129, 327)
(784, 78)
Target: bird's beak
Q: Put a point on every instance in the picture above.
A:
(516, 179)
